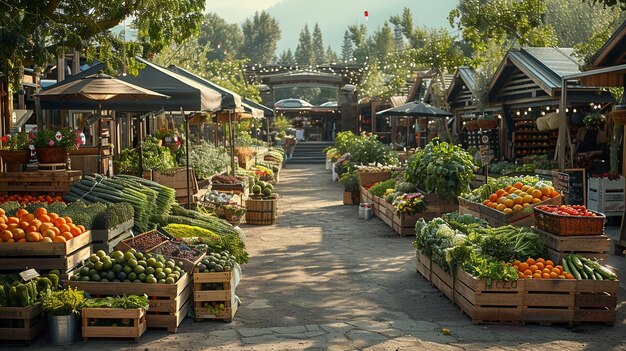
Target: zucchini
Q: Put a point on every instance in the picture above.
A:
(598, 275)
(574, 271)
(566, 267)
(589, 271)
(605, 273)
(576, 261)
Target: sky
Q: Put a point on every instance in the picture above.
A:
(333, 16)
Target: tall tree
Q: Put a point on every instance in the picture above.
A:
(404, 24)
(347, 49)
(398, 38)
(358, 36)
(373, 84)
(223, 38)
(382, 43)
(304, 52)
(286, 57)
(611, 3)
(331, 56)
(318, 45)
(260, 36)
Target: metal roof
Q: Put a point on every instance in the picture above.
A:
(545, 65)
(612, 52)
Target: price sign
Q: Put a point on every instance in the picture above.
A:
(29, 274)
(560, 180)
(484, 154)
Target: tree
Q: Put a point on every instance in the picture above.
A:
(304, 51)
(331, 56)
(503, 22)
(382, 42)
(260, 36)
(223, 38)
(318, 45)
(611, 3)
(373, 81)
(286, 57)
(347, 49)
(358, 36)
(404, 25)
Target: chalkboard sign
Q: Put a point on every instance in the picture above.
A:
(573, 184)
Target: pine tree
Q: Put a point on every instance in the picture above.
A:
(304, 52)
(331, 56)
(347, 49)
(286, 57)
(318, 45)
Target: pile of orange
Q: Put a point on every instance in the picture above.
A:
(517, 196)
(540, 269)
(31, 199)
(40, 226)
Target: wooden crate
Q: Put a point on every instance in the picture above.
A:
(596, 301)
(261, 211)
(549, 301)
(129, 243)
(423, 265)
(500, 302)
(524, 217)
(591, 246)
(443, 280)
(21, 323)
(135, 331)
(168, 302)
(38, 182)
(177, 181)
(404, 224)
(46, 256)
(225, 296)
(436, 203)
(107, 239)
(469, 205)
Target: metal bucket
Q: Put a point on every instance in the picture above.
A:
(62, 329)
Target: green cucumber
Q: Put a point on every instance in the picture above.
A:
(589, 271)
(566, 267)
(598, 275)
(576, 261)
(606, 274)
(574, 271)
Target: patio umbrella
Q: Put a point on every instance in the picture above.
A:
(415, 109)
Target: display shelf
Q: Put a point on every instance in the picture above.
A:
(528, 140)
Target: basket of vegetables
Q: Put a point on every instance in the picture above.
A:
(569, 220)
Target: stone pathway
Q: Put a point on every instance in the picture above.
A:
(322, 279)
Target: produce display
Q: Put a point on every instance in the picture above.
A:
(125, 302)
(178, 250)
(566, 210)
(225, 179)
(264, 173)
(151, 201)
(540, 269)
(39, 226)
(441, 168)
(494, 184)
(216, 262)
(146, 241)
(130, 266)
(379, 189)
(181, 215)
(506, 167)
(410, 203)
(31, 199)
(207, 241)
(14, 292)
(585, 268)
(517, 196)
(217, 197)
(469, 243)
(262, 188)
(274, 155)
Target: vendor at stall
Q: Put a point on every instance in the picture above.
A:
(590, 145)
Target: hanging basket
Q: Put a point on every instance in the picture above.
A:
(51, 154)
(487, 124)
(15, 157)
(618, 116)
(471, 125)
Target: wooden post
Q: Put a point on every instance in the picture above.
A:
(562, 125)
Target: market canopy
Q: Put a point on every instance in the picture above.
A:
(415, 109)
(230, 99)
(184, 92)
(267, 112)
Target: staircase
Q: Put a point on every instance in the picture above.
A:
(309, 152)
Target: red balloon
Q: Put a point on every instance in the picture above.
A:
(366, 13)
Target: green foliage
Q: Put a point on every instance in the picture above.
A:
(214, 243)
(368, 149)
(125, 302)
(223, 38)
(281, 124)
(350, 181)
(14, 142)
(69, 138)
(260, 36)
(382, 187)
(155, 158)
(344, 141)
(443, 168)
(304, 54)
(207, 160)
(62, 302)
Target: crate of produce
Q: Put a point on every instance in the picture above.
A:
(603, 184)
(498, 302)
(591, 246)
(549, 300)
(169, 298)
(261, 211)
(143, 242)
(469, 205)
(608, 207)
(522, 217)
(596, 301)
(180, 252)
(436, 203)
(133, 323)
(22, 324)
(62, 256)
(404, 224)
(443, 280)
(214, 296)
(366, 179)
(44, 182)
(569, 224)
(107, 239)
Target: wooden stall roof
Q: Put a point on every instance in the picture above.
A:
(613, 52)
(461, 90)
(533, 75)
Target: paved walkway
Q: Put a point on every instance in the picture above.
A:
(321, 279)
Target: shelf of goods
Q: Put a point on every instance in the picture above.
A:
(606, 195)
(134, 328)
(57, 182)
(528, 140)
(62, 256)
(214, 296)
(168, 302)
(21, 323)
(107, 239)
(474, 139)
(523, 217)
(522, 301)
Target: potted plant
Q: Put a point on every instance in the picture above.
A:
(62, 307)
(351, 192)
(14, 148)
(409, 203)
(594, 121)
(52, 145)
(487, 122)
(169, 138)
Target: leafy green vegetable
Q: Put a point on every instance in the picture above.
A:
(380, 188)
(212, 242)
(126, 302)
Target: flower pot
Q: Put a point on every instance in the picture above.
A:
(173, 147)
(471, 125)
(62, 329)
(487, 123)
(51, 154)
(15, 157)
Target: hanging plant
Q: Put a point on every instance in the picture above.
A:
(594, 121)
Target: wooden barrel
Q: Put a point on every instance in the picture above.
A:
(261, 212)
